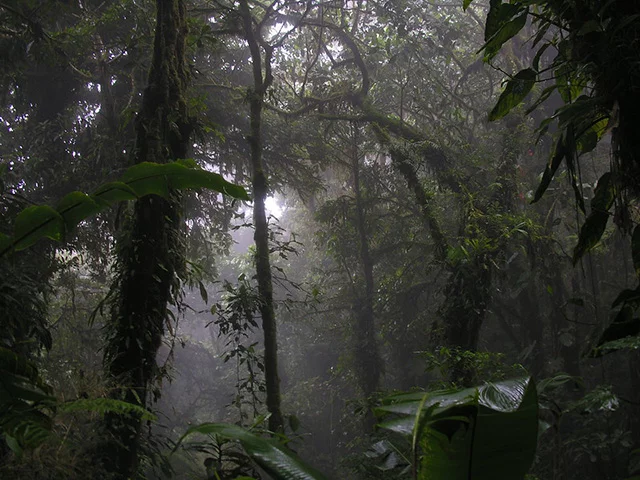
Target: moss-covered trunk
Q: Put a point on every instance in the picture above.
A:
(150, 250)
(261, 83)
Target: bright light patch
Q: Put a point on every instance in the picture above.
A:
(272, 207)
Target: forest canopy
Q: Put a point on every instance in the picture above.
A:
(246, 239)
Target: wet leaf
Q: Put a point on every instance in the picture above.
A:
(514, 93)
(275, 459)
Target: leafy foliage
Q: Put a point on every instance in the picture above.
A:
(274, 458)
(103, 406)
(486, 432)
(28, 406)
(25, 402)
(37, 222)
(514, 93)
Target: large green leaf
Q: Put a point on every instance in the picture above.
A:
(499, 14)
(279, 462)
(478, 433)
(41, 221)
(624, 325)
(506, 430)
(504, 21)
(560, 152)
(77, 206)
(36, 222)
(596, 223)
(154, 178)
(514, 93)
(113, 192)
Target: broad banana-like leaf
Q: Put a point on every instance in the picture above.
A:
(479, 433)
(41, 221)
(278, 461)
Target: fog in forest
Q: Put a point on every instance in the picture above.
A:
(319, 240)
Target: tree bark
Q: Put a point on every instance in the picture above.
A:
(150, 252)
(261, 83)
(367, 356)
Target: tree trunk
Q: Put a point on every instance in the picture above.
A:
(150, 252)
(367, 356)
(261, 236)
(463, 310)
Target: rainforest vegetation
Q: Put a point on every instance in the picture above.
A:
(313, 239)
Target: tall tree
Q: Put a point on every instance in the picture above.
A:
(262, 79)
(367, 356)
(150, 252)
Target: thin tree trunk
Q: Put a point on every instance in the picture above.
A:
(261, 236)
(367, 356)
(150, 253)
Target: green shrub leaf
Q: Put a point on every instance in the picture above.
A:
(279, 462)
(514, 93)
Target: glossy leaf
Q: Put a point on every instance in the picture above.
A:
(479, 433)
(279, 462)
(506, 430)
(514, 93)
